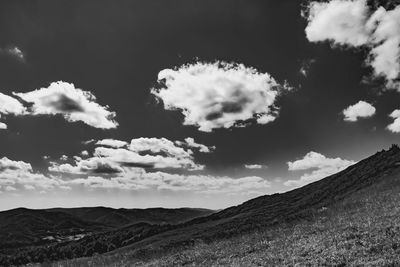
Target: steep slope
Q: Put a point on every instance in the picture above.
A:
(362, 229)
(290, 207)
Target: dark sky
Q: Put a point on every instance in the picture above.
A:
(115, 50)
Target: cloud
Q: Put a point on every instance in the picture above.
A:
(305, 66)
(191, 143)
(3, 126)
(319, 165)
(7, 164)
(218, 95)
(353, 24)
(253, 166)
(361, 109)
(14, 51)
(114, 156)
(343, 22)
(111, 143)
(133, 158)
(105, 173)
(72, 103)
(158, 145)
(95, 165)
(19, 174)
(10, 105)
(395, 125)
(160, 181)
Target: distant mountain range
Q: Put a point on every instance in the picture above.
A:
(56, 234)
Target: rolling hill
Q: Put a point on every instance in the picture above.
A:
(337, 220)
(121, 217)
(30, 231)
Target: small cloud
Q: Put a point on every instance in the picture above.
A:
(361, 109)
(394, 127)
(16, 52)
(305, 66)
(253, 166)
(189, 141)
(112, 143)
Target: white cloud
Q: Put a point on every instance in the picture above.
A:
(133, 158)
(72, 103)
(343, 22)
(395, 125)
(218, 95)
(111, 143)
(7, 164)
(92, 165)
(189, 142)
(385, 55)
(19, 174)
(319, 165)
(113, 156)
(94, 174)
(206, 184)
(253, 166)
(352, 23)
(158, 145)
(361, 109)
(10, 105)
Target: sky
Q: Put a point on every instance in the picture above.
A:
(189, 103)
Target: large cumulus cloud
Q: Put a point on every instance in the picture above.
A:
(219, 94)
(72, 103)
(352, 23)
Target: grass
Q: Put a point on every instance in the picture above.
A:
(362, 230)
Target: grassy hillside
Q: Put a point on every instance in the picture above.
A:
(362, 229)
